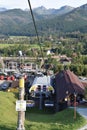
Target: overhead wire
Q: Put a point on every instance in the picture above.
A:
(29, 3)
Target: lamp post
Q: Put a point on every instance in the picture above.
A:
(75, 105)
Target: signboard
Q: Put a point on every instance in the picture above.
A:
(20, 105)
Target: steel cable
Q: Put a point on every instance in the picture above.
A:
(35, 28)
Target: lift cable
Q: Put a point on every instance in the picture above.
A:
(35, 28)
(43, 61)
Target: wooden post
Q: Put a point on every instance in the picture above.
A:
(21, 114)
(75, 106)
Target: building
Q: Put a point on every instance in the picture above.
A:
(67, 84)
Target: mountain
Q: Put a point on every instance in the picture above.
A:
(65, 19)
(2, 9)
(14, 21)
(72, 21)
(43, 11)
(75, 20)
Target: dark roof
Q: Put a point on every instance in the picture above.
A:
(66, 82)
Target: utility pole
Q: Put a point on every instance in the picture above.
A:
(21, 106)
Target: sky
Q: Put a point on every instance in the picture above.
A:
(23, 4)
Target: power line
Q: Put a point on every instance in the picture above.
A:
(35, 28)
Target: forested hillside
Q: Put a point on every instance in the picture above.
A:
(19, 22)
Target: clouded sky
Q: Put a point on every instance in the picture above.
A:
(36, 3)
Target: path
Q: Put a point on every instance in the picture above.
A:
(83, 112)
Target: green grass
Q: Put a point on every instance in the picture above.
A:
(36, 119)
(8, 115)
(2, 46)
(5, 45)
(63, 120)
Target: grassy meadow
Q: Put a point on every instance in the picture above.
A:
(36, 119)
(5, 45)
(2, 46)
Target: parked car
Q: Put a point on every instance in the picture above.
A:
(17, 75)
(5, 76)
(2, 75)
(10, 77)
(5, 85)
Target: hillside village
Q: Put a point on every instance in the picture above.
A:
(13, 70)
(46, 72)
